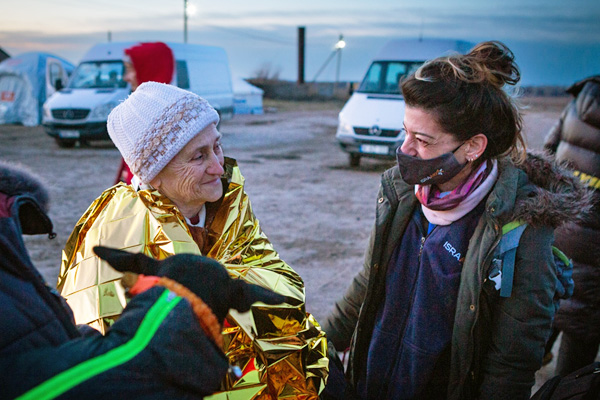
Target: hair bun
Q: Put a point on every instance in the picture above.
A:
(464, 94)
(493, 62)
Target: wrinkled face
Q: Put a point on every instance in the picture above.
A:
(425, 138)
(193, 176)
(130, 76)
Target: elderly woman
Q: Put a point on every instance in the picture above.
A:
(145, 62)
(146, 355)
(188, 198)
(437, 312)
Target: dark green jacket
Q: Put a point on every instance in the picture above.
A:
(497, 343)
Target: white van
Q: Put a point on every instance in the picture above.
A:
(371, 122)
(79, 111)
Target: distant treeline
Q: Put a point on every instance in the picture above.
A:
(544, 91)
(290, 90)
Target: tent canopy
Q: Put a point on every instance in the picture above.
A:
(247, 98)
(26, 81)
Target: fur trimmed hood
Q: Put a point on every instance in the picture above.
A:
(554, 196)
(32, 197)
(17, 180)
(575, 88)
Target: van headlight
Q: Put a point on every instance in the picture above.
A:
(344, 128)
(102, 111)
(46, 115)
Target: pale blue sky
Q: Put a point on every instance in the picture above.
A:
(555, 41)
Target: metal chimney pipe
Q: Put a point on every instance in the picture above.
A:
(301, 36)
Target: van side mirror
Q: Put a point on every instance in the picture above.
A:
(351, 88)
(58, 84)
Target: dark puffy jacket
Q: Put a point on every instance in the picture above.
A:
(576, 139)
(497, 343)
(156, 350)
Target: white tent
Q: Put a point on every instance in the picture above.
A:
(247, 98)
(26, 81)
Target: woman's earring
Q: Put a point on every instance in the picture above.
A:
(471, 159)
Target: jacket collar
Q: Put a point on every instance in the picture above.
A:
(538, 190)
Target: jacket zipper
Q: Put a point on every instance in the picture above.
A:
(386, 194)
(487, 260)
(421, 247)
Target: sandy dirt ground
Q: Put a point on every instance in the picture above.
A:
(316, 209)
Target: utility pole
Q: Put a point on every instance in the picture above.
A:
(185, 5)
(339, 46)
(109, 36)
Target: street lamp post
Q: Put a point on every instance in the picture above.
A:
(189, 9)
(337, 49)
(339, 46)
(185, 15)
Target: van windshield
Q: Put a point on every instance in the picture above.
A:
(98, 75)
(384, 76)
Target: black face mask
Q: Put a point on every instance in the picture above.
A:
(435, 171)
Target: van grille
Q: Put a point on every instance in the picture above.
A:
(375, 131)
(70, 113)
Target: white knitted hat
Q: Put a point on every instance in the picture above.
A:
(154, 123)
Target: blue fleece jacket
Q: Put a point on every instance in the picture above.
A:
(409, 350)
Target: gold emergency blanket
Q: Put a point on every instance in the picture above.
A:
(280, 349)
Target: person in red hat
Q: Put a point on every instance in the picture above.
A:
(145, 62)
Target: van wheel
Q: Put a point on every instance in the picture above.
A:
(354, 159)
(65, 143)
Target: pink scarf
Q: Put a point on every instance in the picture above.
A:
(443, 210)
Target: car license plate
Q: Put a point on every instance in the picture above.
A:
(373, 149)
(68, 134)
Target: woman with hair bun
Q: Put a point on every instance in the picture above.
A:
(427, 317)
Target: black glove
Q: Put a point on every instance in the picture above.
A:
(205, 277)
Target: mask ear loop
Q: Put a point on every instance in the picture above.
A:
(469, 159)
(459, 146)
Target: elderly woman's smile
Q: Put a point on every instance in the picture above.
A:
(193, 176)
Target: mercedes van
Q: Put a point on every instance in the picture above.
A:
(371, 121)
(79, 111)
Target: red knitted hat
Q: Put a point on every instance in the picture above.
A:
(152, 62)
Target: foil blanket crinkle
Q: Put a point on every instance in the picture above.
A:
(280, 349)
